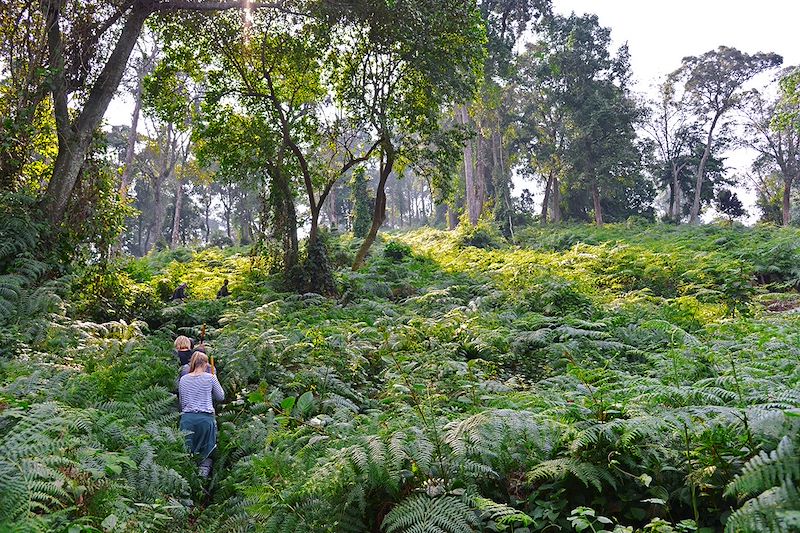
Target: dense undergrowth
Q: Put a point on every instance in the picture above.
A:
(624, 378)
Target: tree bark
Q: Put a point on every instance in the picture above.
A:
(556, 196)
(472, 198)
(227, 208)
(452, 218)
(671, 201)
(379, 213)
(287, 227)
(675, 206)
(207, 214)
(546, 201)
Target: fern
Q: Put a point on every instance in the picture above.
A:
(34, 461)
(774, 478)
(420, 513)
(588, 473)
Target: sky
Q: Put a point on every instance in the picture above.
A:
(660, 33)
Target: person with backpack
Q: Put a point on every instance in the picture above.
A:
(197, 390)
(223, 291)
(180, 293)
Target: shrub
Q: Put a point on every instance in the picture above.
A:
(396, 251)
(484, 234)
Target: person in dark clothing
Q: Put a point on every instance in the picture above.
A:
(223, 291)
(180, 292)
(184, 348)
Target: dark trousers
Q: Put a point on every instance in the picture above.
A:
(202, 437)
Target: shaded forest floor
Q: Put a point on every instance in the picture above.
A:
(584, 379)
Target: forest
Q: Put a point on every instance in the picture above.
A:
(455, 271)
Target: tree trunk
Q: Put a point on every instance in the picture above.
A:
(154, 234)
(481, 177)
(75, 137)
(452, 218)
(176, 220)
(130, 149)
(207, 213)
(701, 171)
(675, 206)
(546, 201)
(228, 207)
(313, 233)
(332, 215)
(379, 213)
(598, 209)
(473, 207)
(556, 196)
(787, 206)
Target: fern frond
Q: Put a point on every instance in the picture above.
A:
(420, 513)
(767, 470)
(588, 473)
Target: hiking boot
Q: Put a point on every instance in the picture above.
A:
(204, 470)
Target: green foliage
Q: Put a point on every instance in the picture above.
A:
(484, 234)
(593, 379)
(770, 481)
(728, 203)
(104, 293)
(396, 251)
(363, 204)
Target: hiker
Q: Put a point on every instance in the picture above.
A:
(180, 292)
(184, 348)
(223, 291)
(196, 390)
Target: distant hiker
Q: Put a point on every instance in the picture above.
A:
(180, 292)
(196, 391)
(223, 291)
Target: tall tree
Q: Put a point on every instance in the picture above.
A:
(141, 69)
(712, 84)
(411, 59)
(487, 174)
(540, 109)
(88, 46)
(777, 142)
(674, 136)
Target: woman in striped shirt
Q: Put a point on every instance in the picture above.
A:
(196, 391)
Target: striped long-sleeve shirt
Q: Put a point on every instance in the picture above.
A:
(196, 392)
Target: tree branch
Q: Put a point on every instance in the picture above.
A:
(200, 5)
